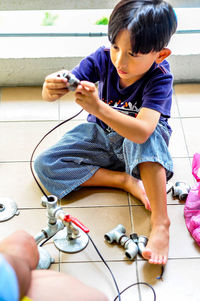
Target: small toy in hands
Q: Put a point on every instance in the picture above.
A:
(72, 80)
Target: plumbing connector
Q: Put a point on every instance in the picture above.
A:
(115, 234)
(130, 247)
(54, 215)
(181, 190)
(142, 242)
(73, 82)
(118, 235)
(69, 233)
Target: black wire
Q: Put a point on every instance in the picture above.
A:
(138, 283)
(115, 282)
(31, 159)
(161, 274)
(47, 239)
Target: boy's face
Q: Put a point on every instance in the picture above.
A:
(130, 67)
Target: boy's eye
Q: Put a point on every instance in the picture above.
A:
(133, 54)
(114, 46)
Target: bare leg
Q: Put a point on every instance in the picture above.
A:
(154, 179)
(50, 285)
(122, 180)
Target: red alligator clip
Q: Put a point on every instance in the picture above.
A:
(68, 218)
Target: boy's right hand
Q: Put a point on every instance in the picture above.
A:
(55, 86)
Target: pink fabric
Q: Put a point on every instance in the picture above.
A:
(192, 205)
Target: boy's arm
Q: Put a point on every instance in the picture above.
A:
(136, 129)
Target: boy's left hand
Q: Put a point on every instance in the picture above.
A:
(87, 97)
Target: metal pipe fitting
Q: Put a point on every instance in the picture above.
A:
(8, 208)
(181, 190)
(39, 237)
(49, 231)
(73, 82)
(54, 224)
(52, 208)
(72, 230)
(142, 242)
(131, 249)
(116, 234)
(71, 239)
(130, 246)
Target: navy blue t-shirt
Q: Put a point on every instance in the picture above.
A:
(153, 90)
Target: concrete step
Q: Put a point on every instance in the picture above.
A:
(76, 4)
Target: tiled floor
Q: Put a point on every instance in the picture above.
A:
(24, 119)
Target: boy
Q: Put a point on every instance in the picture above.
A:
(126, 138)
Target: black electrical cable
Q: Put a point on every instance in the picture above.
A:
(138, 283)
(113, 277)
(42, 243)
(47, 239)
(31, 159)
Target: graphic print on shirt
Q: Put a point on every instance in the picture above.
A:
(125, 107)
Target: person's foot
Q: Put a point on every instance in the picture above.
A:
(136, 188)
(156, 251)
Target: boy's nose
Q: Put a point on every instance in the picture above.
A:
(121, 61)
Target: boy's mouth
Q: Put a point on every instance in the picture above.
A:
(121, 71)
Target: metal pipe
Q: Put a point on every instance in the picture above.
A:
(54, 225)
(39, 237)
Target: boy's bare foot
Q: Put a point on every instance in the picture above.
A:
(136, 188)
(156, 251)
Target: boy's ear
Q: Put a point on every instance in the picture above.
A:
(163, 54)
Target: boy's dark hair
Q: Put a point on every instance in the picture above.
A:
(151, 24)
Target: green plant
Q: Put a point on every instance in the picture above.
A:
(102, 21)
(49, 19)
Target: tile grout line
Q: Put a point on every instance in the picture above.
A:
(96, 261)
(176, 102)
(185, 117)
(39, 120)
(130, 212)
(132, 230)
(138, 279)
(91, 207)
(188, 156)
(60, 262)
(122, 260)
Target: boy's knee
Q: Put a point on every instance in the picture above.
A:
(45, 166)
(39, 163)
